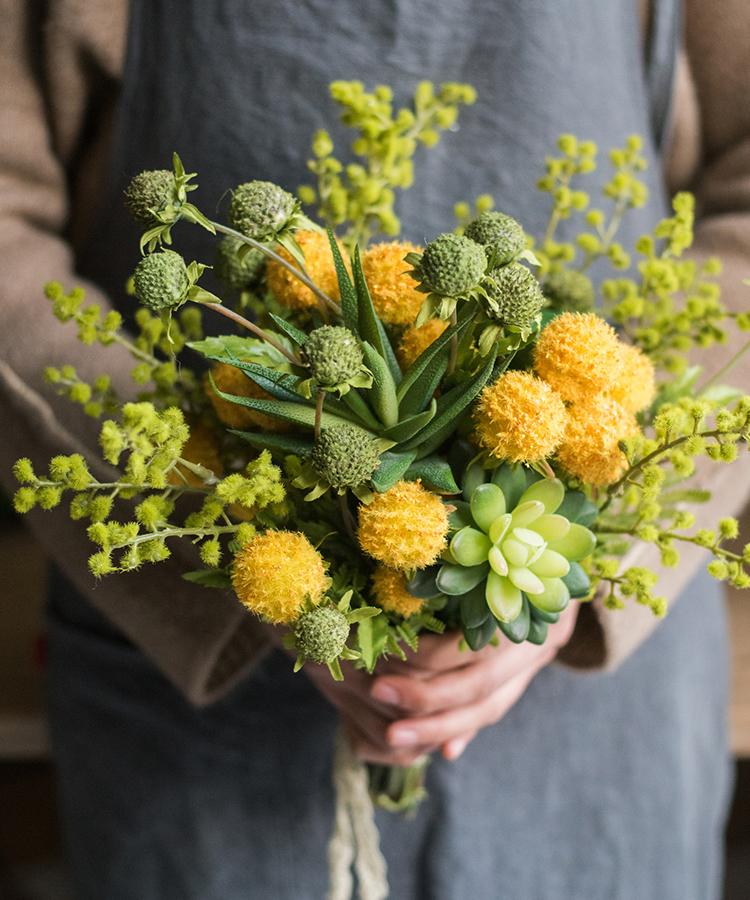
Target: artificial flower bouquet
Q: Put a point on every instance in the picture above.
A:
(390, 439)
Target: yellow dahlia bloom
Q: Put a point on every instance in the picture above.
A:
(390, 593)
(394, 293)
(415, 341)
(635, 386)
(578, 354)
(232, 380)
(276, 573)
(405, 527)
(201, 448)
(519, 418)
(590, 449)
(290, 291)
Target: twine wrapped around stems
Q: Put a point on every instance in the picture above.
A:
(354, 847)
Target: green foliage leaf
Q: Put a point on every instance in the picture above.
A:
(410, 425)
(450, 407)
(518, 630)
(479, 637)
(576, 507)
(392, 468)
(383, 392)
(422, 584)
(213, 578)
(280, 443)
(349, 308)
(372, 635)
(473, 608)
(370, 327)
(577, 581)
(435, 474)
(232, 347)
(291, 331)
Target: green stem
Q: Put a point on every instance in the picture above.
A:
(319, 401)
(660, 450)
(251, 326)
(271, 254)
(727, 367)
(211, 531)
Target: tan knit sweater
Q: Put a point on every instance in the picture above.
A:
(60, 64)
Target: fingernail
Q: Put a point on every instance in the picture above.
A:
(402, 737)
(454, 749)
(386, 693)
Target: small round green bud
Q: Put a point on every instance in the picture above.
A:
(161, 280)
(333, 354)
(452, 264)
(261, 209)
(238, 274)
(516, 298)
(148, 192)
(344, 456)
(321, 634)
(567, 289)
(500, 235)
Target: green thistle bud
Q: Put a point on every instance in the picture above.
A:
(161, 280)
(569, 290)
(344, 456)
(333, 354)
(147, 193)
(451, 265)
(515, 298)
(500, 235)
(321, 634)
(238, 274)
(261, 209)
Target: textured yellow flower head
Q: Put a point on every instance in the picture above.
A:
(394, 293)
(578, 354)
(290, 291)
(405, 527)
(232, 380)
(635, 386)
(519, 418)
(590, 449)
(389, 592)
(275, 574)
(415, 341)
(201, 448)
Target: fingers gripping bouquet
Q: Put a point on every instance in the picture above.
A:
(391, 439)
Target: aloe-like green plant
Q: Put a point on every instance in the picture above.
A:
(399, 411)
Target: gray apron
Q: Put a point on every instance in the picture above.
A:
(603, 787)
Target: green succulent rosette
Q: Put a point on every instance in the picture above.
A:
(514, 555)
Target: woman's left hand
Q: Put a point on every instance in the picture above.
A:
(444, 696)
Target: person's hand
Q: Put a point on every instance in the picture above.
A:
(444, 696)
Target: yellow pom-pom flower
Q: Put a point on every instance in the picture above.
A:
(290, 291)
(277, 573)
(201, 448)
(389, 592)
(394, 293)
(635, 386)
(590, 449)
(578, 354)
(519, 418)
(415, 341)
(405, 527)
(232, 380)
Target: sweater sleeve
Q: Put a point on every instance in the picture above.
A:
(715, 72)
(202, 644)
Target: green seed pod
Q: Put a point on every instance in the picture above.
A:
(261, 209)
(321, 634)
(500, 235)
(452, 265)
(161, 280)
(344, 456)
(569, 290)
(333, 354)
(238, 274)
(515, 296)
(149, 191)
